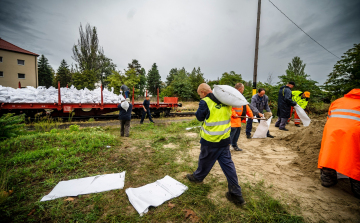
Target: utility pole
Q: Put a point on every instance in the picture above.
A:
(256, 47)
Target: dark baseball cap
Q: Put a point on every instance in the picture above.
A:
(292, 83)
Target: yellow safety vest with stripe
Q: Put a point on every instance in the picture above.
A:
(296, 96)
(217, 126)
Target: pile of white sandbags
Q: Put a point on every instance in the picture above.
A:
(50, 95)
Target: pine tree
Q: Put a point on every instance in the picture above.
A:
(135, 65)
(173, 72)
(297, 67)
(63, 74)
(153, 80)
(44, 72)
(142, 82)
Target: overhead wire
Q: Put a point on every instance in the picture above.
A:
(302, 30)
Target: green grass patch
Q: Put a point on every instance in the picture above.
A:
(35, 163)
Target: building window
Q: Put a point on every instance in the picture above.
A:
(21, 76)
(21, 62)
(1, 74)
(0, 59)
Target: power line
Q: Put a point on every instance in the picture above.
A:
(303, 30)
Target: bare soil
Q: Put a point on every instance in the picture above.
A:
(288, 166)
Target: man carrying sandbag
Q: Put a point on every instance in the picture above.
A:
(125, 109)
(284, 105)
(340, 145)
(215, 140)
(302, 100)
(259, 103)
(236, 120)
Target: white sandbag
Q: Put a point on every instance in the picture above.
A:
(154, 194)
(302, 115)
(87, 185)
(262, 129)
(125, 105)
(229, 96)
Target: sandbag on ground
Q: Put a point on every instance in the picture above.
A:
(229, 96)
(87, 185)
(262, 129)
(154, 194)
(302, 115)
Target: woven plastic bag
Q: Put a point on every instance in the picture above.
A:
(229, 96)
(302, 115)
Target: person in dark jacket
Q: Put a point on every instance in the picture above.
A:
(126, 90)
(146, 110)
(285, 103)
(125, 118)
(215, 140)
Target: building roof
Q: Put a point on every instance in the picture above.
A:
(5, 45)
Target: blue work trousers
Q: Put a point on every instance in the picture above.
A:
(207, 158)
(249, 126)
(234, 136)
(126, 94)
(144, 114)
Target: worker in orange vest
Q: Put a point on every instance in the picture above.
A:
(236, 120)
(340, 146)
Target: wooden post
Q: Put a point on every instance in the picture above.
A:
(256, 47)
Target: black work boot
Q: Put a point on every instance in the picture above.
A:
(328, 177)
(248, 136)
(355, 187)
(237, 149)
(270, 136)
(192, 178)
(237, 200)
(284, 129)
(297, 125)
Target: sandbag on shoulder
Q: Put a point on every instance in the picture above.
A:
(229, 96)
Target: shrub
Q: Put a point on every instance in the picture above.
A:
(11, 125)
(74, 128)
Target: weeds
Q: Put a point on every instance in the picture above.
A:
(37, 162)
(11, 125)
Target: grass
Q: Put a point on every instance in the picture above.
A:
(36, 162)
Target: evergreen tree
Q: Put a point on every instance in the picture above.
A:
(63, 74)
(45, 74)
(297, 67)
(173, 72)
(142, 82)
(196, 78)
(345, 75)
(135, 65)
(153, 80)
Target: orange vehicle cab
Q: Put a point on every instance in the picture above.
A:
(340, 146)
(242, 111)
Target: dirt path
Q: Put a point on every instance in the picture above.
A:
(288, 165)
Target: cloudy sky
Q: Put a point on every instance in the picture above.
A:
(217, 36)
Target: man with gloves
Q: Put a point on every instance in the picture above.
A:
(285, 103)
(125, 109)
(259, 103)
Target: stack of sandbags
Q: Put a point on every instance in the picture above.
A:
(50, 95)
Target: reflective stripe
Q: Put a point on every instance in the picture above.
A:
(216, 133)
(238, 110)
(217, 123)
(346, 110)
(345, 116)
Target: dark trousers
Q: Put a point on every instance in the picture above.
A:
(328, 178)
(144, 114)
(124, 127)
(207, 158)
(234, 136)
(126, 94)
(281, 123)
(249, 126)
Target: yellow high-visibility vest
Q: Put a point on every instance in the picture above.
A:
(217, 126)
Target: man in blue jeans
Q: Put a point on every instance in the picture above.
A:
(215, 140)
(259, 103)
(146, 110)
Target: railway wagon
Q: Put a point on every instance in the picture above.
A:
(86, 109)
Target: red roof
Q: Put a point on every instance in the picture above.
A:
(5, 45)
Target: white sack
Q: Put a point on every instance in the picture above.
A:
(125, 105)
(154, 194)
(302, 115)
(87, 185)
(229, 96)
(262, 129)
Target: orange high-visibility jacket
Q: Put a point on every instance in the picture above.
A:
(236, 122)
(340, 146)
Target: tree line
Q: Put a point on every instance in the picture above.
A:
(93, 67)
